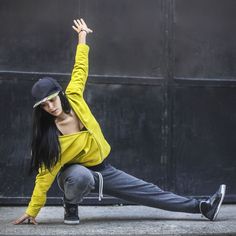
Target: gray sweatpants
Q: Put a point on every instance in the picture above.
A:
(77, 181)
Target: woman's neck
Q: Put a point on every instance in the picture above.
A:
(62, 117)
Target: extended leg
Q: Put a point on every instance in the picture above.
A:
(122, 185)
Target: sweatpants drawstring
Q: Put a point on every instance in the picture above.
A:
(100, 186)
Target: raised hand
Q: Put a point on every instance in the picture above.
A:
(80, 26)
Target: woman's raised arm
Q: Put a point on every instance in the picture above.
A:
(81, 28)
(80, 71)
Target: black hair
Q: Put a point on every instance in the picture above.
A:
(64, 102)
(45, 146)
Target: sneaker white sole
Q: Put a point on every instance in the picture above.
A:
(222, 191)
(70, 222)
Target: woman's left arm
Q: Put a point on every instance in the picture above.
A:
(80, 70)
(82, 29)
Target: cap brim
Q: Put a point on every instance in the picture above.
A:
(46, 99)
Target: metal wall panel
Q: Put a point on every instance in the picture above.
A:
(40, 38)
(126, 34)
(15, 123)
(204, 139)
(203, 94)
(36, 36)
(133, 126)
(204, 42)
(161, 84)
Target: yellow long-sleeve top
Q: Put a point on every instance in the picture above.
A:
(88, 148)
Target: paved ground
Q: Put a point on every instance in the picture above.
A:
(120, 220)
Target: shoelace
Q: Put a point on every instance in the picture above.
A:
(100, 186)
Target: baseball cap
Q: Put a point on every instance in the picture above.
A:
(45, 89)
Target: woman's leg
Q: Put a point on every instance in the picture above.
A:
(122, 185)
(76, 182)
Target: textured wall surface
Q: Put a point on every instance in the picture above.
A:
(162, 84)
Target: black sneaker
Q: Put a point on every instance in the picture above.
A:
(211, 207)
(71, 214)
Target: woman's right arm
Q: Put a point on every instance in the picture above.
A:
(25, 217)
(43, 182)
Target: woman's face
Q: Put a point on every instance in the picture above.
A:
(53, 106)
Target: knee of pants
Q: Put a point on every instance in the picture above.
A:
(78, 184)
(80, 181)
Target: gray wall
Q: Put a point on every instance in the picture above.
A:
(161, 83)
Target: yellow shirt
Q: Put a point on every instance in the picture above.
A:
(81, 148)
(88, 148)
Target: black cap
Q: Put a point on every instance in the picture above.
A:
(44, 88)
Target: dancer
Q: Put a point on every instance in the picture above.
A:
(68, 144)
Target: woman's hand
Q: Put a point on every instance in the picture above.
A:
(81, 26)
(82, 29)
(30, 219)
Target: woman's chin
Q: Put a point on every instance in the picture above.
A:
(56, 113)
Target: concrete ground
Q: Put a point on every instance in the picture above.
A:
(120, 220)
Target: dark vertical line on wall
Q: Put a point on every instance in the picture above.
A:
(171, 94)
(172, 88)
(168, 94)
(164, 130)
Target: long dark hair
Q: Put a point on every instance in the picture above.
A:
(45, 146)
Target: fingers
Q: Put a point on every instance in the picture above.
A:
(31, 220)
(76, 29)
(83, 23)
(89, 31)
(20, 220)
(79, 24)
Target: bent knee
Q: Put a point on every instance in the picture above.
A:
(81, 181)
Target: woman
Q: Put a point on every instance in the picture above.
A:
(68, 143)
